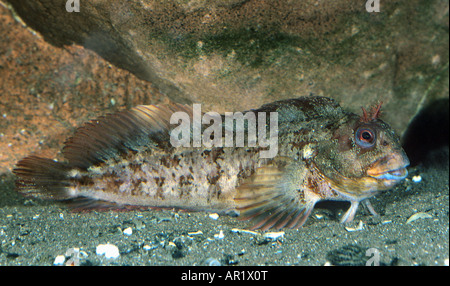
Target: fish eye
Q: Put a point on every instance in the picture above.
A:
(365, 137)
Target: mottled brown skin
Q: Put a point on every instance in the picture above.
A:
(325, 153)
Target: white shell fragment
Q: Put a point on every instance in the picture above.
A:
(319, 216)
(274, 235)
(214, 216)
(416, 179)
(359, 227)
(128, 231)
(110, 251)
(59, 260)
(417, 216)
(219, 235)
(239, 230)
(199, 232)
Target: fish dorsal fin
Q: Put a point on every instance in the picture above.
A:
(273, 197)
(107, 136)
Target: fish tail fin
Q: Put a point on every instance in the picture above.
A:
(46, 179)
(142, 127)
(43, 178)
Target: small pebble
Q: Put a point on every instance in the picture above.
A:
(238, 230)
(128, 231)
(358, 228)
(214, 216)
(199, 232)
(319, 216)
(146, 247)
(212, 262)
(435, 60)
(274, 235)
(108, 250)
(417, 179)
(220, 235)
(59, 260)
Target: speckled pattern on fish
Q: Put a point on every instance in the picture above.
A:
(126, 159)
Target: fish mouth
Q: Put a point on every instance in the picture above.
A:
(398, 174)
(391, 167)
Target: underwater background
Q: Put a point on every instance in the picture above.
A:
(59, 69)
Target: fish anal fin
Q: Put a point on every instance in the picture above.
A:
(275, 196)
(83, 204)
(86, 205)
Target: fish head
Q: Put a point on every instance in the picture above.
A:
(363, 157)
(385, 160)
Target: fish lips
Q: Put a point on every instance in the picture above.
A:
(391, 167)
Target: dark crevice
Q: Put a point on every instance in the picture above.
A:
(427, 132)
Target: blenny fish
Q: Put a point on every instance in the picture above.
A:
(125, 160)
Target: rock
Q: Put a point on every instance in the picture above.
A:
(237, 55)
(211, 262)
(128, 231)
(110, 251)
(59, 260)
(348, 255)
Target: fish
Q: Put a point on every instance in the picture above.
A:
(126, 160)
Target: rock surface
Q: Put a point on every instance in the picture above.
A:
(236, 55)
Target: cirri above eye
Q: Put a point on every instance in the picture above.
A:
(365, 137)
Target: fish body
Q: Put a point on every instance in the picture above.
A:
(126, 159)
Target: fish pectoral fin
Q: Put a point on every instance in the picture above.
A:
(350, 213)
(274, 197)
(85, 204)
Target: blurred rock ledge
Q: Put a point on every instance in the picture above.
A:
(235, 55)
